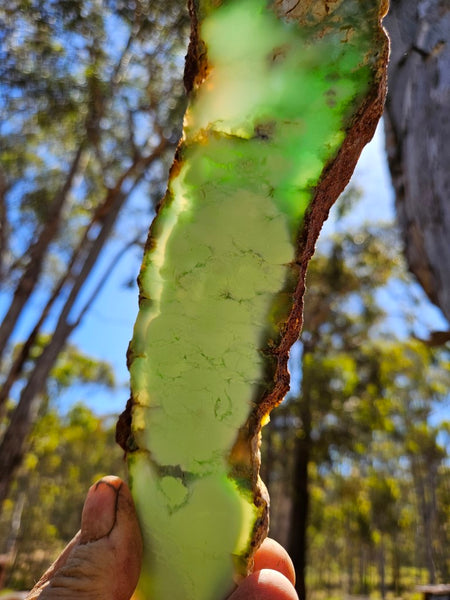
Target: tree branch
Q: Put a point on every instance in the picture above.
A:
(106, 275)
(37, 253)
(13, 442)
(4, 225)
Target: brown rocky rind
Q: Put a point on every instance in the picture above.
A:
(245, 456)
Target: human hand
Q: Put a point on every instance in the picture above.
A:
(103, 560)
(273, 576)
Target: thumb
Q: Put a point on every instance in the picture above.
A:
(103, 560)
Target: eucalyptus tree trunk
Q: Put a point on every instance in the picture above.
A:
(417, 121)
(297, 543)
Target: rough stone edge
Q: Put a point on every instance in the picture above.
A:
(335, 176)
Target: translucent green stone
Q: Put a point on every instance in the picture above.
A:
(218, 278)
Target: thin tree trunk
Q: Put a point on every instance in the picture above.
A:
(363, 588)
(418, 129)
(12, 446)
(382, 569)
(349, 552)
(13, 443)
(299, 514)
(10, 546)
(77, 258)
(297, 542)
(396, 568)
(37, 254)
(18, 365)
(426, 514)
(4, 225)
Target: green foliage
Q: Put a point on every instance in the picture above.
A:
(82, 75)
(67, 454)
(377, 464)
(72, 371)
(71, 368)
(74, 368)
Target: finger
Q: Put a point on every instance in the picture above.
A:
(103, 561)
(265, 585)
(272, 555)
(110, 518)
(59, 562)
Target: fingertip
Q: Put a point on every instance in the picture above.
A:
(99, 511)
(127, 542)
(272, 555)
(113, 481)
(109, 518)
(107, 501)
(265, 584)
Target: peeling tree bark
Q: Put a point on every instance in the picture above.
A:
(417, 119)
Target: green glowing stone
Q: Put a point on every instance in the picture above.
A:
(282, 100)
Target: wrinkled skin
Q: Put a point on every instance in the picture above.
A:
(103, 560)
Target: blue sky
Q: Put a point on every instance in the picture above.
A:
(107, 328)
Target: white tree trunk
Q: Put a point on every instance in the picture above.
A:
(417, 121)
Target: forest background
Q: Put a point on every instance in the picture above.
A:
(356, 459)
